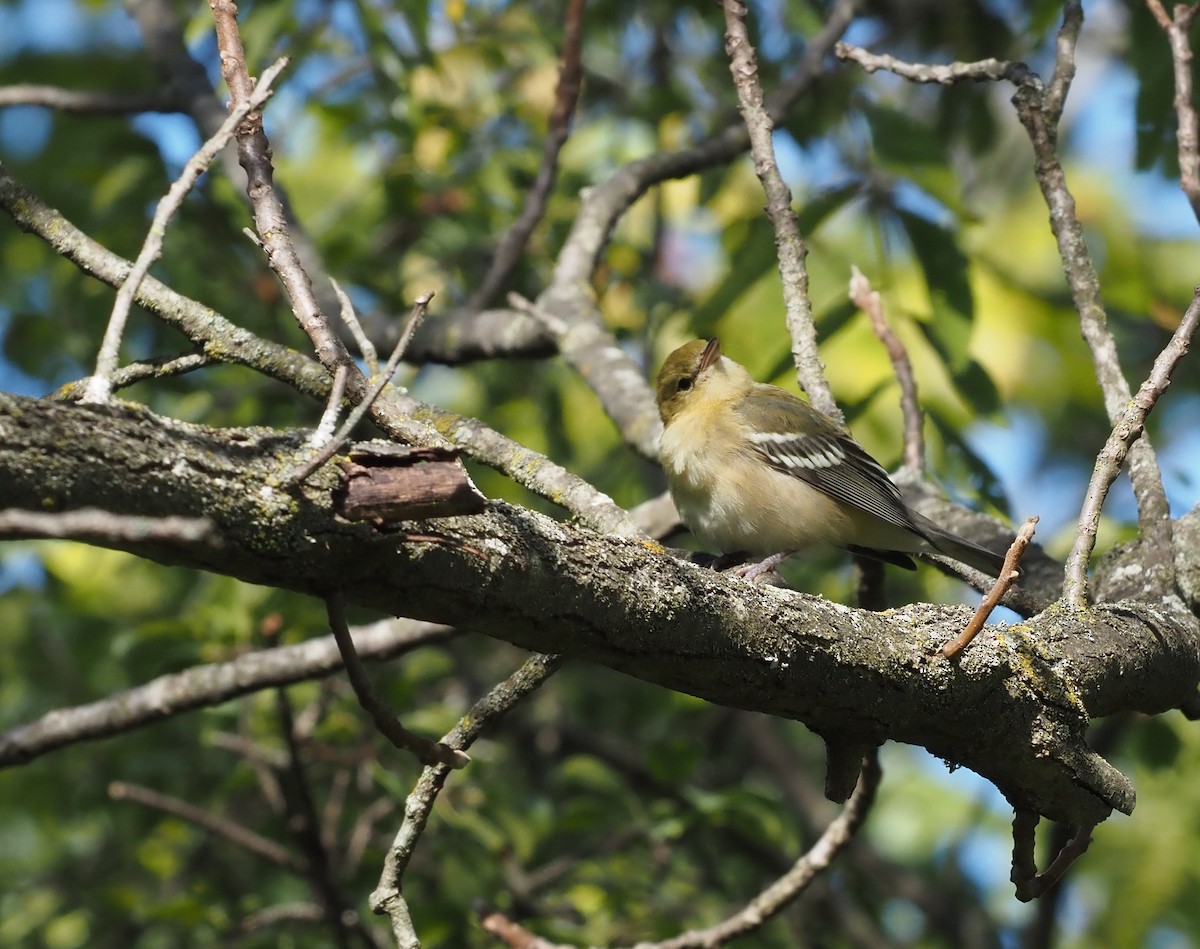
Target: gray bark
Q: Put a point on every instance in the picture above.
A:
(1014, 707)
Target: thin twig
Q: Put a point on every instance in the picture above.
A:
(1064, 61)
(566, 96)
(323, 433)
(420, 305)
(90, 103)
(270, 216)
(99, 386)
(235, 833)
(207, 685)
(282, 913)
(365, 346)
(1187, 136)
(1008, 575)
(167, 49)
(423, 749)
(1038, 112)
(254, 753)
(303, 823)
(984, 70)
(387, 898)
(789, 243)
(402, 417)
(765, 905)
(160, 367)
(268, 764)
(871, 303)
(92, 524)
(585, 342)
(1108, 463)
(1028, 882)
(362, 832)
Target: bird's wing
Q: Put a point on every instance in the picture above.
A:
(827, 458)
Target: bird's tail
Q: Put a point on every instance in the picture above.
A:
(959, 548)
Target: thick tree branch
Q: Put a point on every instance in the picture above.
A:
(1014, 709)
(99, 387)
(573, 317)
(397, 413)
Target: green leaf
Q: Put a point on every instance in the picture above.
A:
(942, 260)
(756, 257)
(983, 480)
(902, 140)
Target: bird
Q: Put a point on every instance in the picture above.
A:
(758, 472)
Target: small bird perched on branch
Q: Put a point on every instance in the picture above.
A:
(756, 470)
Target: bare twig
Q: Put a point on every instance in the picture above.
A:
(89, 103)
(270, 217)
(871, 303)
(1064, 61)
(1028, 882)
(1178, 29)
(282, 913)
(570, 76)
(789, 243)
(304, 824)
(423, 749)
(93, 524)
(584, 342)
(387, 898)
(360, 836)
(420, 305)
(399, 415)
(99, 386)
(160, 367)
(763, 907)
(1038, 112)
(1039, 109)
(235, 833)
(323, 434)
(1008, 575)
(350, 319)
(166, 49)
(984, 70)
(208, 685)
(249, 750)
(1108, 463)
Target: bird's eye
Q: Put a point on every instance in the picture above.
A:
(684, 384)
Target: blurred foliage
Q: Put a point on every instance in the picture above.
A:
(604, 811)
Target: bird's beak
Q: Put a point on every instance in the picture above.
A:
(710, 355)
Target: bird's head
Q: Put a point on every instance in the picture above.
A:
(682, 373)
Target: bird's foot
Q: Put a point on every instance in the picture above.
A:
(753, 571)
